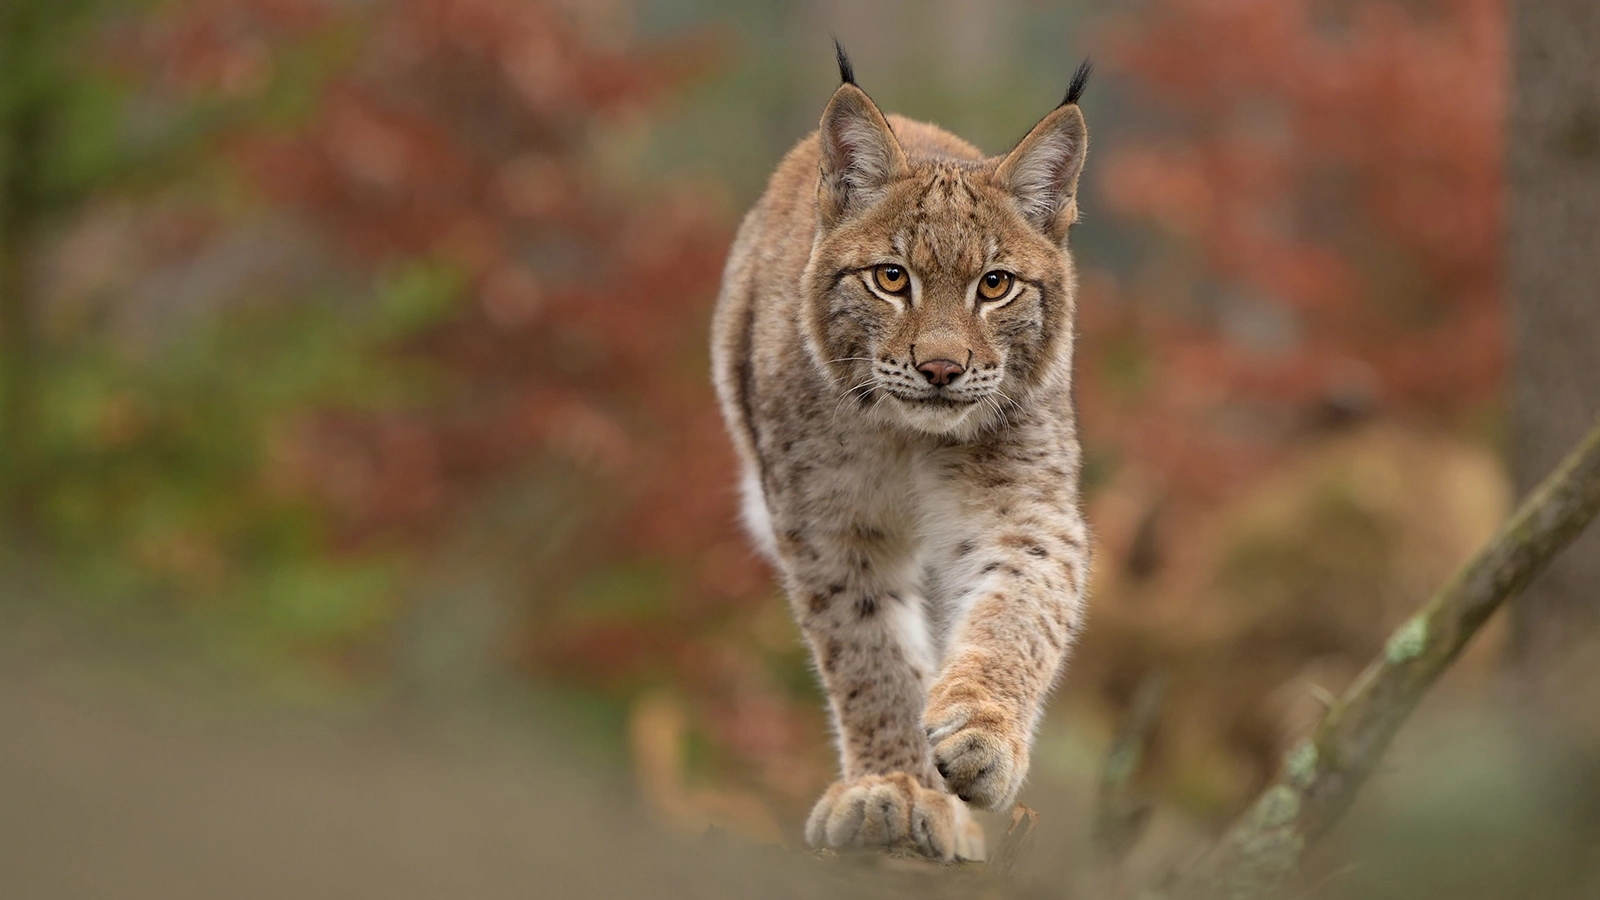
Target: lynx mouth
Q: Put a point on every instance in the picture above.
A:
(938, 415)
(938, 401)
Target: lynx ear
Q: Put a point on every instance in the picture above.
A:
(1042, 172)
(860, 154)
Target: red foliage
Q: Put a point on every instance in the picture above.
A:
(463, 133)
(1334, 170)
(458, 133)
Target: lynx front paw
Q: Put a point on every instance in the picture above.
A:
(980, 750)
(887, 811)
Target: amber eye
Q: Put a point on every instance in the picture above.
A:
(994, 285)
(892, 278)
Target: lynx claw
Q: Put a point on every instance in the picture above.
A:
(980, 759)
(887, 811)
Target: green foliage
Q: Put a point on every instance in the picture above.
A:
(168, 478)
(417, 294)
(48, 99)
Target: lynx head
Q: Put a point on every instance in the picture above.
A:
(939, 289)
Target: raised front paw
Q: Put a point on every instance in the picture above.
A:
(890, 811)
(979, 748)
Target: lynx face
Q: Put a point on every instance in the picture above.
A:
(938, 289)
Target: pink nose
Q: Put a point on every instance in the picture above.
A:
(941, 371)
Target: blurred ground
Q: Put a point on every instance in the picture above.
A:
(123, 778)
(119, 781)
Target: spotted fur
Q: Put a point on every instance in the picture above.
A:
(928, 535)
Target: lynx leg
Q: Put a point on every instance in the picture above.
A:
(868, 630)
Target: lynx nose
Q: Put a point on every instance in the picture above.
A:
(941, 371)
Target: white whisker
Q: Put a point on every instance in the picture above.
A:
(999, 411)
(868, 384)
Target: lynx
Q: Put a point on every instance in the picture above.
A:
(892, 348)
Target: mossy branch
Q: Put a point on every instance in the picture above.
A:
(1321, 776)
(1119, 818)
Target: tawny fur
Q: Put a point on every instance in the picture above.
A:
(929, 537)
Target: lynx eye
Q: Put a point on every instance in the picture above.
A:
(994, 285)
(892, 278)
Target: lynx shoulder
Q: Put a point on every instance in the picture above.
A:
(892, 349)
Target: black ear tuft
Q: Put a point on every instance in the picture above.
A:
(847, 72)
(1079, 79)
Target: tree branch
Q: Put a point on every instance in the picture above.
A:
(1320, 777)
(1120, 818)
(1016, 844)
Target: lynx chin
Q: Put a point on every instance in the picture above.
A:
(893, 352)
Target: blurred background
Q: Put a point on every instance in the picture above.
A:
(355, 416)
